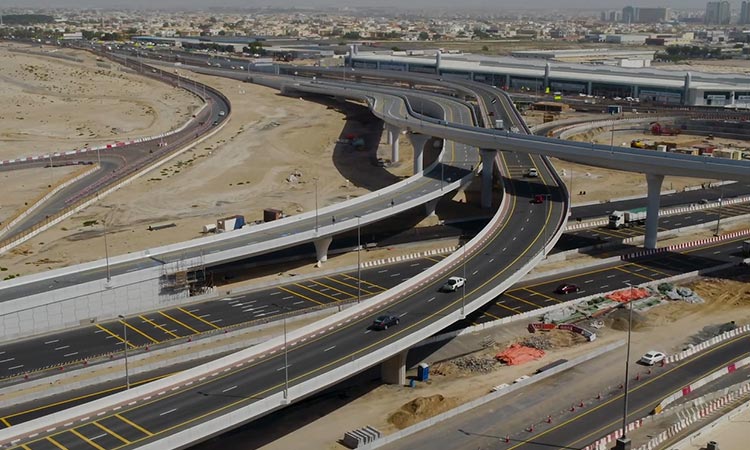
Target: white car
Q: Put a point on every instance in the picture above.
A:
(453, 284)
(532, 173)
(652, 357)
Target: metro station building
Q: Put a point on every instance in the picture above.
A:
(649, 85)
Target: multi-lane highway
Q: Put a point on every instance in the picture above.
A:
(486, 427)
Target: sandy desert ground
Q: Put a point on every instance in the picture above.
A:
(54, 104)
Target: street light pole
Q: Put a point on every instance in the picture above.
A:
(316, 204)
(125, 336)
(718, 220)
(623, 443)
(359, 266)
(286, 354)
(106, 251)
(463, 291)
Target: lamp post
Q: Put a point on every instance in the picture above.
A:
(721, 201)
(106, 251)
(359, 266)
(623, 443)
(286, 355)
(463, 288)
(316, 203)
(125, 342)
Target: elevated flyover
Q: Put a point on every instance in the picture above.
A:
(143, 280)
(197, 404)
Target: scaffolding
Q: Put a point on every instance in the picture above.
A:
(184, 276)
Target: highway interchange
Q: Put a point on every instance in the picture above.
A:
(141, 423)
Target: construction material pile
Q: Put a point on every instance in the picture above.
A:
(679, 293)
(518, 354)
(474, 364)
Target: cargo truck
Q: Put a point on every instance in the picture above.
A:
(625, 219)
(499, 124)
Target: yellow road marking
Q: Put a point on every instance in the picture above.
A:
(542, 295)
(138, 331)
(86, 440)
(114, 335)
(603, 404)
(5, 422)
(515, 310)
(25, 447)
(648, 268)
(179, 322)
(82, 397)
(486, 313)
(57, 444)
(156, 325)
(350, 285)
(299, 285)
(198, 318)
(365, 282)
(107, 430)
(134, 425)
(630, 272)
(300, 295)
(522, 300)
(330, 287)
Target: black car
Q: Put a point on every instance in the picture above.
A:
(384, 321)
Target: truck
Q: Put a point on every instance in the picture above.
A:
(499, 124)
(625, 219)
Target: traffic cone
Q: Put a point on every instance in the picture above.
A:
(549, 419)
(531, 428)
(507, 438)
(599, 396)
(572, 408)
(580, 405)
(638, 376)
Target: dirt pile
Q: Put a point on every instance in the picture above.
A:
(618, 320)
(725, 293)
(421, 408)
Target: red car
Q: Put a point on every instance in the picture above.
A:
(538, 198)
(567, 288)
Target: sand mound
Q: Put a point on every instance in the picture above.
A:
(618, 320)
(421, 408)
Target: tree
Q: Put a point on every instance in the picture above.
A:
(423, 36)
(352, 35)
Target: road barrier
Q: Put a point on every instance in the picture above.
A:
(685, 245)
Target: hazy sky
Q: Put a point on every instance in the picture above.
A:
(464, 4)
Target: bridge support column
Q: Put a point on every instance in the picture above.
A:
(393, 370)
(394, 132)
(389, 134)
(431, 206)
(488, 164)
(589, 87)
(321, 249)
(418, 141)
(652, 211)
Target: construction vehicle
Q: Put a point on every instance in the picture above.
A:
(626, 219)
(663, 130)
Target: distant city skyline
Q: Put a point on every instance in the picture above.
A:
(309, 4)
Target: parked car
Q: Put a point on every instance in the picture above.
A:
(652, 357)
(384, 321)
(567, 288)
(532, 173)
(453, 284)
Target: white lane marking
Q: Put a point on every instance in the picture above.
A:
(383, 271)
(492, 259)
(203, 316)
(70, 354)
(7, 360)
(283, 367)
(475, 272)
(395, 274)
(430, 299)
(217, 320)
(367, 331)
(97, 437)
(603, 286)
(330, 348)
(287, 297)
(589, 281)
(229, 389)
(53, 341)
(299, 302)
(168, 412)
(717, 252)
(275, 293)
(414, 265)
(610, 276)
(62, 348)
(15, 367)
(402, 315)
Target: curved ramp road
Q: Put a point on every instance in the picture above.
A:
(186, 408)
